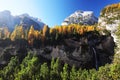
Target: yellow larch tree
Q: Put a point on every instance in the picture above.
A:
(31, 35)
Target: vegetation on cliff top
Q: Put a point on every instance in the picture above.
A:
(46, 34)
(111, 8)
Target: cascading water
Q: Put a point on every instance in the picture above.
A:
(96, 60)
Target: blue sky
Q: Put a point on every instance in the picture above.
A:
(53, 12)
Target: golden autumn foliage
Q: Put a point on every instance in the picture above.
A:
(45, 30)
(52, 30)
(70, 29)
(90, 28)
(80, 29)
(64, 29)
(58, 29)
(34, 34)
(37, 33)
(47, 33)
(31, 35)
(113, 7)
(13, 35)
(31, 30)
(4, 33)
(18, 33)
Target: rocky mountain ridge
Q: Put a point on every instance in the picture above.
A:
(81, 17)
(10, 21)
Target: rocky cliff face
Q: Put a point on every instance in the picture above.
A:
(81, 17)
(88, 51)
(110, 19)
(6, 19)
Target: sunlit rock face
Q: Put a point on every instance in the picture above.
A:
(110, 19)
(10, 21)
(81, 17)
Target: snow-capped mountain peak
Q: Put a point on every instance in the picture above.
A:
(82, 17)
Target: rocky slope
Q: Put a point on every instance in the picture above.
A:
(10, 21)
(110, 20)
(81, 17)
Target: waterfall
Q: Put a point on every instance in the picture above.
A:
(96, 60)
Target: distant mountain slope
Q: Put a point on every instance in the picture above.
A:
(81, 17)
(6, 19)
